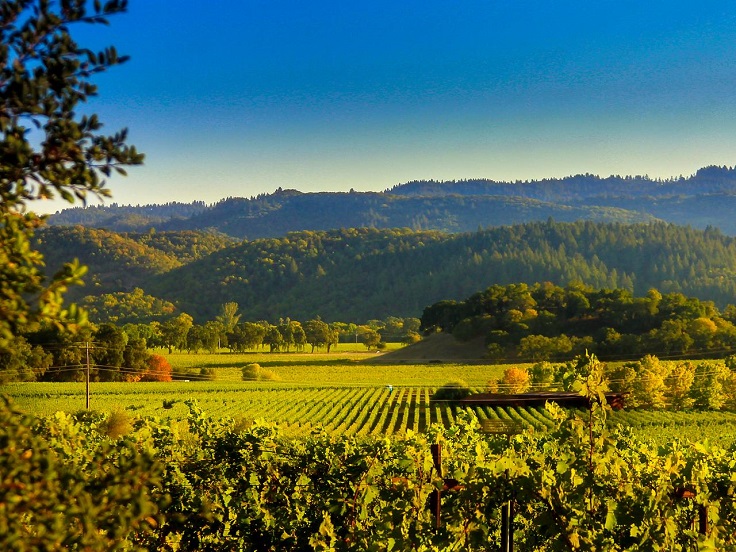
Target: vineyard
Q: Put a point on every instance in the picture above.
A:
(214, 465)
(340, 410)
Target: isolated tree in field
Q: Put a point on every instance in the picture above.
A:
(370, 337)
(542, 376)
(49, 148)
(158, 369)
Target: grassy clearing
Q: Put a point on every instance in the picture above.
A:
(346, 367)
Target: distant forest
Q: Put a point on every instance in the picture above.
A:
(707, 198)
(360, 274)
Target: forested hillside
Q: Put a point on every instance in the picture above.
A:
(363, 274)
(360, 274)
(707, 198)
(286, 211)
(121, 262)
(126, 218)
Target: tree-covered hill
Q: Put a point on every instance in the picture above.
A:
(362, 274)
(126, 218)
(582, 187)
(367, 273)
(284, 211)
(706, 198)
(122, 262)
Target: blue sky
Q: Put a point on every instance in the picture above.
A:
(240, 97)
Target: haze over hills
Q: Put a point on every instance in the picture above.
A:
(707, 198)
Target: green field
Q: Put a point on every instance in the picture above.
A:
(341, 392)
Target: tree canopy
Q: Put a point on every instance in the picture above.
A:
(48, 147)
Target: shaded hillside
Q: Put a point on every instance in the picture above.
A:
(186, 246)
(355, 275)
(301, 275)
(285, 211)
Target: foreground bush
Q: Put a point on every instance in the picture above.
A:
(66, 486)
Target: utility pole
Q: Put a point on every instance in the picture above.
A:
(87, 378)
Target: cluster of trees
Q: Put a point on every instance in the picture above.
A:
(544, 321)
(111, 353)
(123, 307)
(227, 330)
(647, 382)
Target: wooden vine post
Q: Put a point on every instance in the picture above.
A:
(497, 427)
(504, 427)
(687, 494)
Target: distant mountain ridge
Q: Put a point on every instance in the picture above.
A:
(576, 188)
(707, 198)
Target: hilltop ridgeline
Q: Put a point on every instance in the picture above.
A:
(707, 198)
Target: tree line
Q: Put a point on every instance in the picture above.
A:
(645, 383)
(126, 352)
